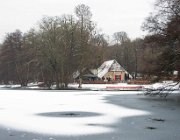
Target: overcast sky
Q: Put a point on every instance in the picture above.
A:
(110, 15)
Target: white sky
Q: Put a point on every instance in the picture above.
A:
(110, 15)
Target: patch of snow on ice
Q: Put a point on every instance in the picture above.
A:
(20, 109)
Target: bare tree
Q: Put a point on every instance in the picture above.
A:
(163, 25)
(120, 37)
(86, 27)
(17, 57)
(69, 28)
(123, 41)
(50, 31)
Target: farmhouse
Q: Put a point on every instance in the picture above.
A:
(112, 70)
(109, 71)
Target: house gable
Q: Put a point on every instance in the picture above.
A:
(111, 65)
(113, 70)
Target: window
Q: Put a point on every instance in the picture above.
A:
(118, 77)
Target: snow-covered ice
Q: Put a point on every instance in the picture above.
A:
(19, 110)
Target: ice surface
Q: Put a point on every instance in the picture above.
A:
(20, 108)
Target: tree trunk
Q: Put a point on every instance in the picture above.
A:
(57, 80)
(80, 82)
(136, 63)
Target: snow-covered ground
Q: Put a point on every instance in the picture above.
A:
(163, 85)
(166, 85)
(21, 109)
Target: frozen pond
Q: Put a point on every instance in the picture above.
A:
(45, 115)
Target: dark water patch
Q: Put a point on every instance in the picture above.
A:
(93, 124)
(11, 135)
(69, 114)
(151, 128)
(157, 119)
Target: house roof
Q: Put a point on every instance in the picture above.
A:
(86, 73)
(90, 75)
(111, 65)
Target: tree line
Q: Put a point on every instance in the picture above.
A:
(65, 44)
